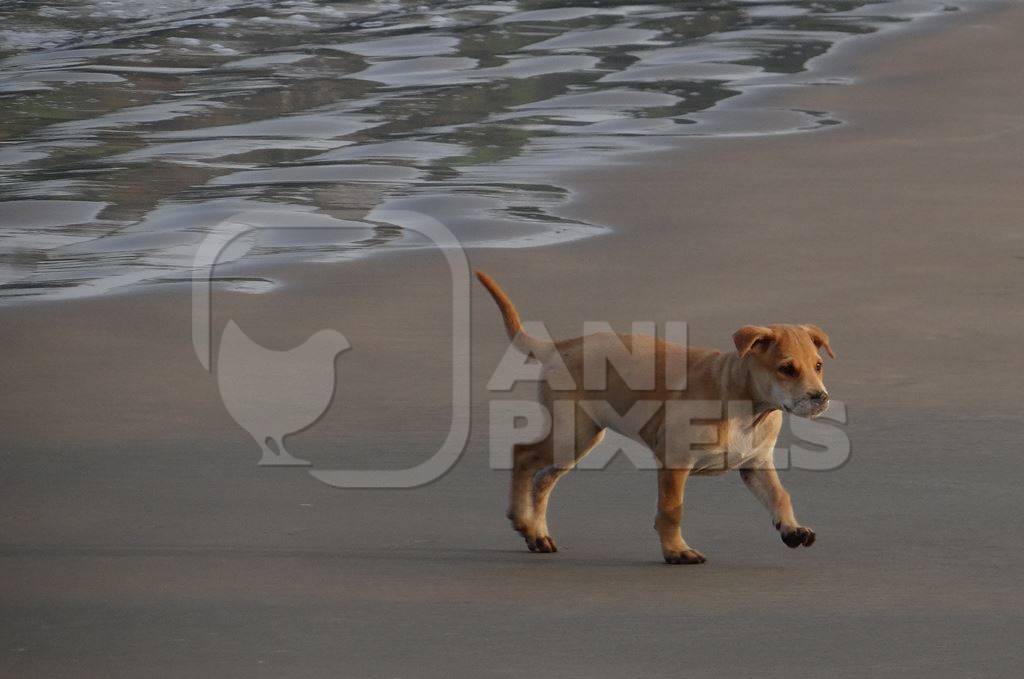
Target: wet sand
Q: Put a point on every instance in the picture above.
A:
(138, 535)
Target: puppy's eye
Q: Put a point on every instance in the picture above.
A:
(788, 369)
(817, 367)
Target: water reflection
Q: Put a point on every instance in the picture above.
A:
(131, 127)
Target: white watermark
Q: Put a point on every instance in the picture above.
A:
(628, 386)
(252, 379)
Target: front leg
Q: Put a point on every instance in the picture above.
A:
(671, 483)
(763, 482)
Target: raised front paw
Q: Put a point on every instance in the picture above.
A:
(686, 556)
(798, 536)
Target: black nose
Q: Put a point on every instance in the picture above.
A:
(817, 396)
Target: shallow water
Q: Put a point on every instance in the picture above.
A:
(131, 128)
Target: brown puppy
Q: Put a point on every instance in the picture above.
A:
(654, 394)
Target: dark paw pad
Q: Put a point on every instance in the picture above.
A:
(544, 545)
(687, 556)
(799, 536)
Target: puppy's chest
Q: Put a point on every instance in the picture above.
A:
(737, 442)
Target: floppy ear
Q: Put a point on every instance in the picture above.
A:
(751, 337)
(819, 338)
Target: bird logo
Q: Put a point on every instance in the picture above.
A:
(272, 394)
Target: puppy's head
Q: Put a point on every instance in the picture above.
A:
(785, 368)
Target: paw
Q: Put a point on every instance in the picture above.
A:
(686, 556)
(541, 543)
(798, 536)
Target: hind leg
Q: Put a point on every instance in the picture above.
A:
(587, 438)
(527, 459)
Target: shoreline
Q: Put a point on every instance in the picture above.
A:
(261, 277)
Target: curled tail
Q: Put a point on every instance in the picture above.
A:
(513, 326)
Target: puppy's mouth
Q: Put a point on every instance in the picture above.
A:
(818, 411)
(808, 409)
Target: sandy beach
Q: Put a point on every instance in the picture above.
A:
(140, 537)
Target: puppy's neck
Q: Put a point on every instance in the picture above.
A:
(741, 387)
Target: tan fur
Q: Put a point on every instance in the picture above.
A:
(774, 368)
